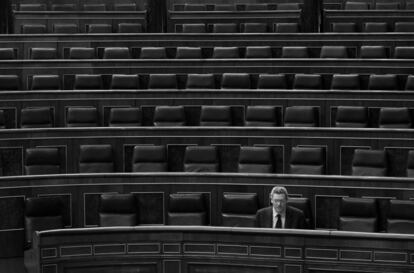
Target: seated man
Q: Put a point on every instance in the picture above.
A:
(279, 215)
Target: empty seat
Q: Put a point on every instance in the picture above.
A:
(194, 28)
(307, 160)
(254, 28)
(370, 52)
(345, 82)
(169, 116)
(9, 82)
(65, 28)
(287, 27)
(304, 205)
(200, 81)
(162, 81)
(334, 52)
(307, 81)
(33, 29)
(88, 82)
(153, 53)
(96, 159)
(149, 158)
(358, 214)
(301, 116)
(118, 210)
(255, 160)
(295, 52)
(251, 7)
(99, 28)
(82, 53)
(125, 116)
(351, 117)
(410, 163)
(344, 27)
(383, 82)
(409, 5)
(201, 159)
(63, 7)
(400, 218)
(187, 209)
(220, 52)
(261, 115)
(272, 81)
(125, 7)
(188, 53)
(7, 54)
(409, 84)
(32, 7)
(395, 117)
(258, 52)
(42, 160)
(404, 52)
(2, 120)
(288, 6)
(121, 81)
(404, 27)
(94, 7)
(215, 115)
(38, 53)
(46, 82)
(239, 209)
(369, 163)
(235, 80)
(375, 27)
(81, 117)
(116, 53)
(130, 28)
(225, 28)
(224, 7)
(195, 7)
(349, 5)
(36, 117)
(387, 6)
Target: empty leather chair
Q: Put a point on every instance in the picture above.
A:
(200, 81)
(301, 116)
(358, 214)
(65, 28)
(239, 209)
(349, 5)
(32, 7)
(130, 28)
(117, 209)
(387, 6)
(400, 218)
(149, 158)
(304, 205)
(46, 82)
(307, 160)
(261, 115)
(121, 81)
(9, 82)
(201, 159)
(369, 163)
(36, 117)
(404, 52)
(255, 7)
(225, 28)
(42, 160)
(63, 7)
(7, 54)
(410, 163)
(81, 117)
(169, 116)
(295, 52)
(82, 53)
(2, 120)
(220, 52)
(116, 53)
(371, 52)
(194, 28)
(383, 82)
(188, 53)
(254, 28)
(272, 81)
(99, 28)
(88, 82)
(404, 27)
(38, 53)
(344, 27)
(153, 53)
(255, 160)
(307, 81)
(375, 27)
(287, 28)
(224, 7)
(409, 5)
(395, 117)
(125, 7)
(334, 52)
(258, 52)
(96, 159)
(288, 6)
(195, 7)
(409, 84)
(34, 29)
(162, 81)
(235, 80)
(187, 209)
(345, 82)
(124, 117)
(351, 117)
(94, 7)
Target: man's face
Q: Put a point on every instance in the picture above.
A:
(279, 202)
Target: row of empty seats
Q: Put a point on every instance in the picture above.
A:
(75, 7)
(247, 27)
(372, 26)
(387, 5)
(72, 28)
(237, 7)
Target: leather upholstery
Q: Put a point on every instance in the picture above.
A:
(400, 218)
(149, 158)
(130, 28)
(255, 160)
(307, 81)
(375, 27)
(118, 210)
(212, 115)
(36, 117)
(387, 6)
(358, 214)
(369, 163)
(304, 205)
(235, 80)
(94, 7)
(410, 163)
(371, 52)
(261, 115)
(121, 81)
(82, 53)
(349, 5)
(194, 28)
(195, 7)
(66, 28)
(201, 159)
(9, 82)
(220, 52)
(255, 7)
(153, 53)
(258, 52)
(224, 7)
(295, 52)
(395, 117)
(124, 116)
(42, 161)
(81, 117)
(239, 209)
(162, 81)
(301, 116)
(272, 81)
(199, 81)
(99, 28)
(254, 27)
(33, 28)
(46, 82)
(383, 82)
(116, 53)
(344, 27)
(409, 84)
(225, 28)
(404, 26)
(345, 82)
(38, 53)
(96, 158)
(7, 54)
(125, 7)
(307, 160)
(32, 7)
(334, 52)
(63, 7)
(169, 116)
(351, 117)
(85, 81)
(188, 53)
(404, 52)
(187, 209)
(288, 6)
(287, 27)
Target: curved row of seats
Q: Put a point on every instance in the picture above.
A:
(388, 5)
(373, 27)
(237, 7)
(72, 28)
(74, 7)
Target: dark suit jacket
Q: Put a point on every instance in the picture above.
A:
(294, 218)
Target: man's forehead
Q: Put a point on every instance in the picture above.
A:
(278, 196)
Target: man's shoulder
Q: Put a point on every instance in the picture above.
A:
(294, 210)
(264, 210)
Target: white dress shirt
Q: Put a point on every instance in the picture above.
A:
(282, 217)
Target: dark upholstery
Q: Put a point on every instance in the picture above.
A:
(2, 120)
(295, 52)
(116, 53)
(261, 115)
(369, 163)
(42, 160)
(162, 81)
(301, 116)
(130, 28)
(351, 117)
(224, 7)
(395, 117)
(255, 7)
(404, 27)
(212, 115)
(46, 82)
(36, 117)
(124, 117)
(235, 80)
(349, 5)
(334, 52)
(307, 160)
(201, 159)
(94, 7)
(307, 81)
(343, 27)
(63, 7)
(169, 116)
(121, 81)
(255, 160)
(358, 214)
(187, 209)
(81, 117)
(153, 53)
(99, 28)
(32, 7)
(188, 53)
(375, 27)
(254, 27)
(66, 28)
(198, 81)
(96, 158)
(33, 29)
(82, 53)
(225, 28)
(288, 6)
(409, 84)
(7, 54)
(239, 209)
(195, 7)
(404, 52)
(148, 158)
(272, 81)
(258, 52)
(400, 217)
(118, 210)
(194, 28)
(345, 82)
(304, 205)
(38, 53)
(383, 82)
(410, 163)
(85, 81)
(225, 52)
(371, 52)
(287, 27)
(387, 6)
(9, 82)
(125, 7)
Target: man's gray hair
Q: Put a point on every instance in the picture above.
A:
(279, 190)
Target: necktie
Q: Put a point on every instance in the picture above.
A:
(278, 221)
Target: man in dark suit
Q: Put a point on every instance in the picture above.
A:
(280, 215)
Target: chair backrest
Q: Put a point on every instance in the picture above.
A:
(254, 27)
(404, 52)
(220, 52)
(149, 158)
(124, 116)
(256, 7)
(224, 7)
(169, 116)
(96, 159)
(86, 81)
(256, 160)
(34, 28)
(82, 117)
(307, 160)
(375, 27)
(212, 115)
(194, 28)
(225, 28)
(344, 27)
(387, 6)
(195, 7)
(130, 28)
(187, 209)
(201, 159)
(66, 28)
(371, 52)
(395, 117)
(410, 163)
(99, 28)
(307, 81)
(94, 7)
(383, 82)
(200, 81)
(345, 82)
(118, 210)
(261, 115)
(82, 53)
(400, 217)
(235, 80)
(9, 82)
(36, 117)
(287, 28)
(272, 81)
(42, 160)
(334, 52)
(369, 162)
(301, 116)
(116, 53)
(121, 81)
(46, 82)
(7, 54)
(188, 53)
(162, 81)
(295, 52)
(349, 5)
(358, 214)
(153, 53)
(404, 26)
(125, 7)
(43, 53)
(352, 117)
(304, 205)
(239, 209)
(258, 52)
